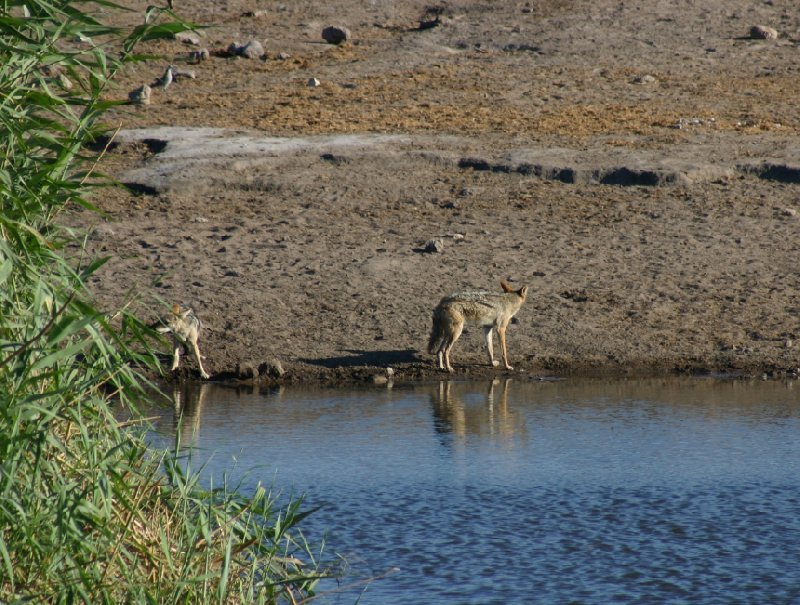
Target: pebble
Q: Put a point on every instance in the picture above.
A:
(335, 34)
(313, 82)
(252, 50)
(434, 245)
(272, 368)
(646, 79)
(184, 73)
(430, 23)
(246, 371)
(762, 32)
(140, 96)
(684, 122)
(102, 232)
(789, 212)
(199, 55)
(188, 38)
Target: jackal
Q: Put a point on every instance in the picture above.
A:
(184, 326)
(492, 310)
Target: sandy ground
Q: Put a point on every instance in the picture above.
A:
(637, 164)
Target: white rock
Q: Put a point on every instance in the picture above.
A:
(762, 32)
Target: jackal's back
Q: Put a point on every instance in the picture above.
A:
(483, 307)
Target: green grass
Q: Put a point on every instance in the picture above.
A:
(88, 514)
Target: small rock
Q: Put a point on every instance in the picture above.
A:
(390, 372)
(789, 343)
(188, 38)
(198, 56)
(762, 32)
(646, 79)
(434, 245)
(247, 371)
(188, 74)
(140, 96)
(334, 34)
(284, 56)
(313, 82)
(252, 50)
(256, 14)
(102, 232)
(272, 368)
(789, 212)
(430, 23)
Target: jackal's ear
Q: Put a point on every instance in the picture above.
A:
(523, 291)
(505, 286)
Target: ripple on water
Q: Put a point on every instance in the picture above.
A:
(663, 492)
(638, 545)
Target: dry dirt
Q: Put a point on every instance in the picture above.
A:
(636, 163)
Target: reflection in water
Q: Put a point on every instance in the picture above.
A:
(458, 412)
(641, 491)
(188, 399)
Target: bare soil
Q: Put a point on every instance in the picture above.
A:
(636, 163)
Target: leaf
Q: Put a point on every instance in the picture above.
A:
(5, 270)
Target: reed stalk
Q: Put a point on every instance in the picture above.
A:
(88, 514)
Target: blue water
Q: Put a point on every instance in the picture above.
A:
(652, 491)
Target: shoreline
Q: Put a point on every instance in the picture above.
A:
(298, 374)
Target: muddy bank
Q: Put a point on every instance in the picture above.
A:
(636, 166)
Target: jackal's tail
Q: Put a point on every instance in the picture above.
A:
(437, 331)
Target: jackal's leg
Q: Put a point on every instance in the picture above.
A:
(501, 332)
(440, 352)
(487, 335)
(199, 362)
(176, 355)
(457, 329)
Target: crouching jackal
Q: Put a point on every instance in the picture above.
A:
(492, 310)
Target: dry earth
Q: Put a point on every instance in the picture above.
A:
(636, 163)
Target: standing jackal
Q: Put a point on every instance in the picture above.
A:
(184, 326)
(492, 310)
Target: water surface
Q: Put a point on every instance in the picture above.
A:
(579, 491)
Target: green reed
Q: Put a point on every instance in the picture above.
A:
(87, 513)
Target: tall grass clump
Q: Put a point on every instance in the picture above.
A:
(87, 513)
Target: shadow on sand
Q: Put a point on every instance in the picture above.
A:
(366, 358)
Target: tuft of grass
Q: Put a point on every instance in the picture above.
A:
(88, 514)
